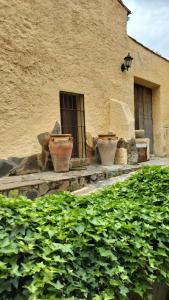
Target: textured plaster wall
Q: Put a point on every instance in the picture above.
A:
(153, 71)
(48, 46)
(121, 119)
(74, 46)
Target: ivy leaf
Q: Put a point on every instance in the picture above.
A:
(102, 246)
(58, 285)
(124, 291)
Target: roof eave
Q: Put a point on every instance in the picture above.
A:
(126, 8)
(150, 50)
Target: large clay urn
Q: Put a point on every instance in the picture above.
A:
(107, 145)
(60, 147)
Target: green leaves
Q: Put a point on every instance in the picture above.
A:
(101, 247)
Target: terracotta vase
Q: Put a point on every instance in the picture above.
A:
(107, 145)
(60, 147)
(109, 136)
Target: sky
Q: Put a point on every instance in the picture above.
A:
(149, 23)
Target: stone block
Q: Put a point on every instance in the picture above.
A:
(54, 185)
(13, 193)
(121, 156)
(74, 185)
(141, 144)
(101, 176)
(43, 188)
(64, 186)
(31, 164)
(4, 193)
(132, 153)
(54, 191)
(93, 177)
(109, 174)
(43, 138)
(82, 182)
(97, 155)
(56, 128)
(31, 194)
(5, 167)
(16, 161)
(122, 143)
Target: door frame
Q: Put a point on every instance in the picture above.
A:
(140, 111)
(80, 121)
(158, 135)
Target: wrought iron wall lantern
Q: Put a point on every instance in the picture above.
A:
(127, 63)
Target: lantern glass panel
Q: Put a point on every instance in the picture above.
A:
(128, 60)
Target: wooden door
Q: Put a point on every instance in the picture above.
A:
(73, 121)
(143, 111)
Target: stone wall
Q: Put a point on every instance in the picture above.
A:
(36, 185)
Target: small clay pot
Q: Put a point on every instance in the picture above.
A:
(60, 147)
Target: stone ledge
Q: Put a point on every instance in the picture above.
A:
(34, 185)
(39, 184)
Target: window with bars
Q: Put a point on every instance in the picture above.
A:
(73, 121)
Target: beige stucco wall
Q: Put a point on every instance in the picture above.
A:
(74, 46)
(121, 119)
(153, 71)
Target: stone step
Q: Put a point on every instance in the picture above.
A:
(95, 187)
(38, 184)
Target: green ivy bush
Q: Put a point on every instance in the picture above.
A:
(100, 247)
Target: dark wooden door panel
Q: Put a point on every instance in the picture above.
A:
(139, 110)
(73, 121)
(143, 111)
(69, 119)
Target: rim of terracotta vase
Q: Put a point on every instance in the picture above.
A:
(108, 137)
(105, 135)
